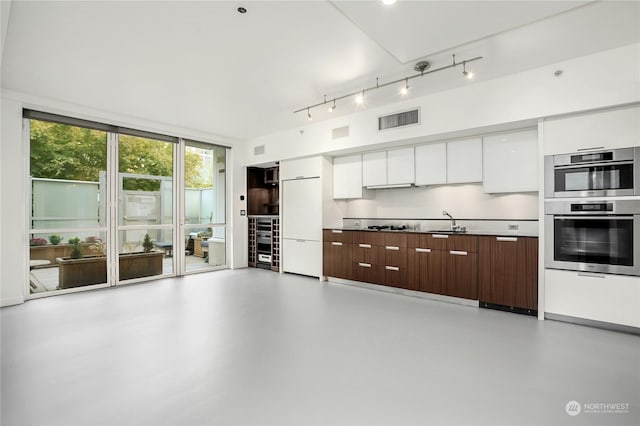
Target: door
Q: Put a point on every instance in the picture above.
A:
(302, 209)
(204, 205)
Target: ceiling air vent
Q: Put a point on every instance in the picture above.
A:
(398, 120)
(340, 132)
(258, 150)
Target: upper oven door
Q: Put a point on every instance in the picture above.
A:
(598, 174)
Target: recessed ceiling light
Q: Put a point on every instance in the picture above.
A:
(242, 10)
(388, 2)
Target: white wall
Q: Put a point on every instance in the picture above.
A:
(466, 201)
(596, 81)
(13, 237)
(14, 169)
(5, 11)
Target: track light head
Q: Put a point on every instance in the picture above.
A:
(467, 74)
(360, 98)
(405, 89)
(309, 115)
(332, 107)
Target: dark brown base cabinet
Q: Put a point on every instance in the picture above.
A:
(337, 253)
(462, 267)
(494, 270)
(426, 262)
(508, 273)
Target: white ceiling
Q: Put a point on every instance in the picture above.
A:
(204, 66)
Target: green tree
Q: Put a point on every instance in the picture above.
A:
(60, 151)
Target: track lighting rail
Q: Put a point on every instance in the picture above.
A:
(378, 85)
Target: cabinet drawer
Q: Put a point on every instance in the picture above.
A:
(393, 239)
(367, 272)
(395, 276)
(393, 256)
(364, 252)
(366, 237)
(337, 235)
(466, 243)
(428, 241)
(302, 257)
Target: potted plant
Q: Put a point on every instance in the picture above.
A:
(55, 239)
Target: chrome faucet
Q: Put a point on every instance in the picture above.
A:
(454, 227)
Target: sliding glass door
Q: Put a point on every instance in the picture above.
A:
(145, 202)
(204, 206)
(105, 203)
(68, 216)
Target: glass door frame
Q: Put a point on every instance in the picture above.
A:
(111, 208)
(183, 227)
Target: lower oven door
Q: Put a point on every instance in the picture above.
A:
(606, 243)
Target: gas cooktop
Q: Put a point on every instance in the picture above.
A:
(387, 227)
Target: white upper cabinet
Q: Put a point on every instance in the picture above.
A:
(510, 162)
(374, 169)
(431, 164)
(464, 161)
(301, 168)
(347, 177)
(619, 128)
(400, 166)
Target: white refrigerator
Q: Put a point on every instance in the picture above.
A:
(302, 226)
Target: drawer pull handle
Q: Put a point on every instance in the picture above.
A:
(300, 241)
(589, 149)
(421, 250)
(391, 268)
(365, 265)
(336, 231)
(364, 245)
(335, 243)
(513, 239)
(581, 274)
(458, 253)
(439, 236)
(392, 247)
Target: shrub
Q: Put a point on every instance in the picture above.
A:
(76, 251)
(147, 245)
(55, 239)
(37, 242)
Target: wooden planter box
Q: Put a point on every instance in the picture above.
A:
(91, 270)
(138, 265)
(81, 272)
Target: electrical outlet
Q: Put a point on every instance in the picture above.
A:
(513, 227)
(356, 223)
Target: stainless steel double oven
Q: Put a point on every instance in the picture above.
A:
(592, 211)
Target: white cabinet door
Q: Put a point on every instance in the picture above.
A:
(400, 166)
(510, 162)
(619, 128)
(301, 168)
(431, 164)
(302, 209)
(464, 161)
(600, 297)
(302, 257)
(374, 168)
(347, 177)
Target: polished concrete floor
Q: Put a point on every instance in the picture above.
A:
(256, 347)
